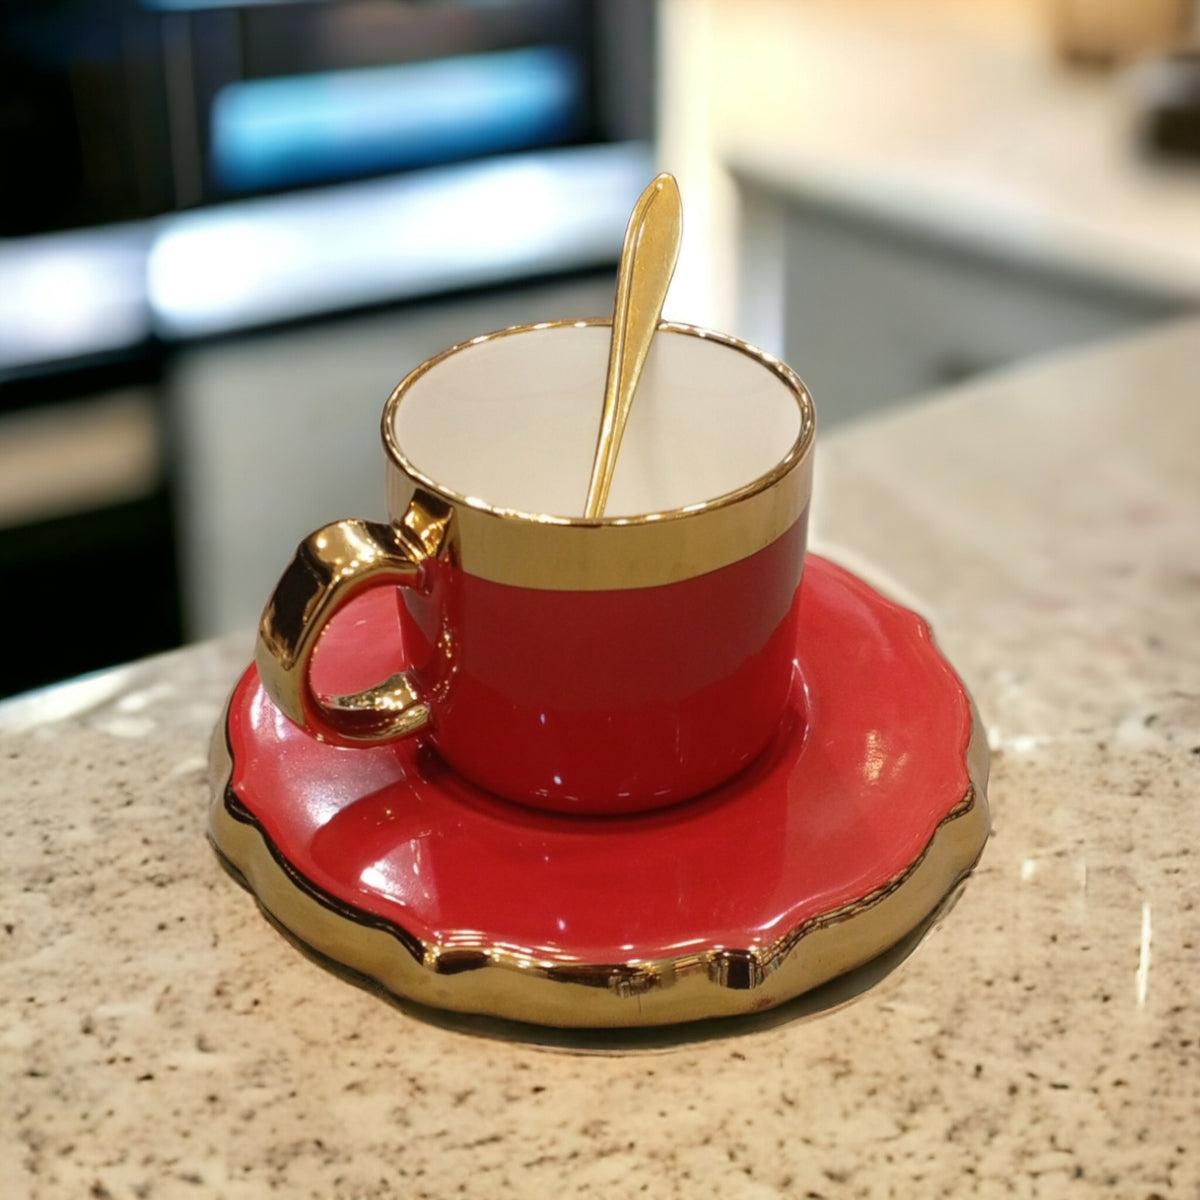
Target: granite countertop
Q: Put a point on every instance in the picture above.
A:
(159, 1038)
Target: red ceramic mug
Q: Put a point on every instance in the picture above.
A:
(584, 666)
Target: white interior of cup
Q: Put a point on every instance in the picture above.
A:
(512, 421)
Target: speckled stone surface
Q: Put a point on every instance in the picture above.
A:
(159, 1038)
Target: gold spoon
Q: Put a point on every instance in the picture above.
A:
(643, 276)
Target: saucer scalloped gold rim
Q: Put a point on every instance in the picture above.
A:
(842, 839)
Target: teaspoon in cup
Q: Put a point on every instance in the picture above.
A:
(647, 263)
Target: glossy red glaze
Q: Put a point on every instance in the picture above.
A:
(611, 701)
(867, 762)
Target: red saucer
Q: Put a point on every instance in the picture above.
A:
(852, 827)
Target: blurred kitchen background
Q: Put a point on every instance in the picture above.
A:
(228, 229)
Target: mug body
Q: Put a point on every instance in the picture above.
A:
(623, 663)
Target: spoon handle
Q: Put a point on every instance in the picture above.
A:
(643, 276)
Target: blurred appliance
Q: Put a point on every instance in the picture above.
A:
(1168, 92)
(117, 114)
(182, 170)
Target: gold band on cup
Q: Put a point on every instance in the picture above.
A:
(580, 554)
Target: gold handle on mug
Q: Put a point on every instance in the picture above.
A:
(330, 568)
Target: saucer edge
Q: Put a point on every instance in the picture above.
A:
(498, 981)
